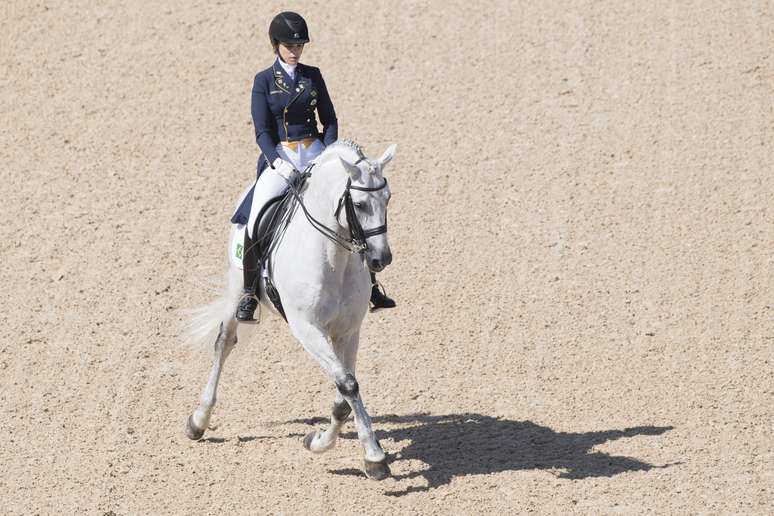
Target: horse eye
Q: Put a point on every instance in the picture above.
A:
(359, 205)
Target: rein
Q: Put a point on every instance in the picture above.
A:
(357, 241)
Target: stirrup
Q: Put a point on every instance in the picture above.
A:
(248, 304)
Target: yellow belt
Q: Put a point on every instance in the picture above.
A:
(294, 145)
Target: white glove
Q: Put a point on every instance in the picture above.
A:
(284, 168)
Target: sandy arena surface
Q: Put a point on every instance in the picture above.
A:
(583, 230)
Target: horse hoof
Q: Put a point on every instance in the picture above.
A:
(308, 438)
(377, 470)
(191, 431)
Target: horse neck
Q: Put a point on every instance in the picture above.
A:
(320, 196)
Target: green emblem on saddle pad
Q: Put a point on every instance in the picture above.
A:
(239, 249)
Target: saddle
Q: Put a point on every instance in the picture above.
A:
(269, 227)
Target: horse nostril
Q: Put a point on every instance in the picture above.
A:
(376, 264)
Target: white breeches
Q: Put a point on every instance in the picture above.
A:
(271, 184)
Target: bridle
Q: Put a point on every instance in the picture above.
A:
(358, 237)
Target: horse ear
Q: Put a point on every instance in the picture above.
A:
(388, 155)
(352, 170)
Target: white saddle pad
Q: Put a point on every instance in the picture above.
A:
(236, 249)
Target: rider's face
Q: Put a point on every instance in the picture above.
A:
(290, 53)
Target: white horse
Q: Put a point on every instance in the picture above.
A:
(324, 284)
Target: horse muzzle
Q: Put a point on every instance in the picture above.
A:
(378, 264)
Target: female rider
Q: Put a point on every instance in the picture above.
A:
(285, 97)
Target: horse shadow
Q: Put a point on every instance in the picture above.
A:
(459, 445)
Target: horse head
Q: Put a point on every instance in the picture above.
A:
(369, 196)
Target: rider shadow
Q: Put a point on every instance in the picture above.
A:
(459, 445)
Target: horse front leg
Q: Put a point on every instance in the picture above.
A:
(320, 441)
(198, 421)
(340, 367)
(375, 459)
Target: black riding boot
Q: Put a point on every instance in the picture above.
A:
(379, 299)
(250, 265)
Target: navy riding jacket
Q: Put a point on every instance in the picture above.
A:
(284, 109)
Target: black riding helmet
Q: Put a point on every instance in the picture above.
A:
(288, 27)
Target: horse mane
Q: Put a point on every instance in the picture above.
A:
(341, 148)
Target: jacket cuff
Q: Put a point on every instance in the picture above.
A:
(268, 147)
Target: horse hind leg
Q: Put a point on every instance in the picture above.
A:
(321, 441)
(224, 343)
